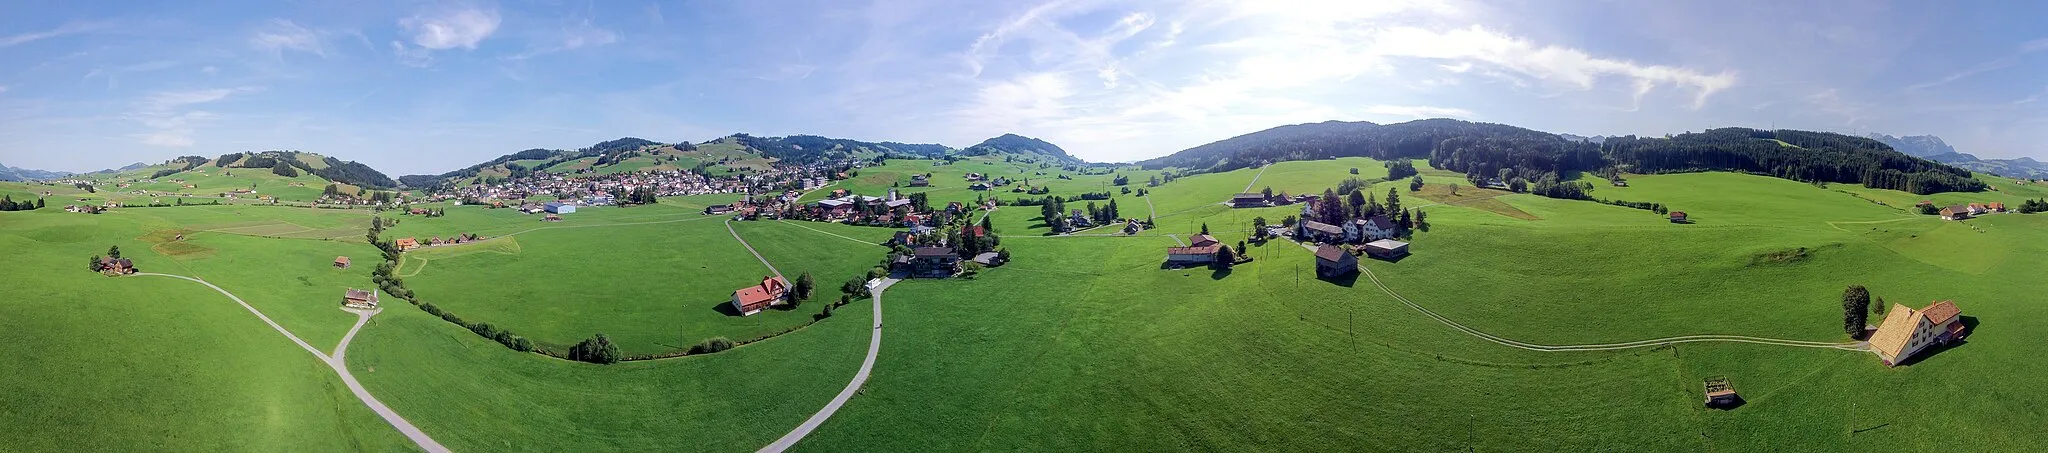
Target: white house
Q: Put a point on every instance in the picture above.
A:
(1369, 229)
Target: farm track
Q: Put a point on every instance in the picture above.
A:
(852, 387)
(337, 362)
(750, 249)
(1851, 346)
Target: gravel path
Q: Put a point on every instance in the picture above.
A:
(852, 387)
(338, 363)
(750, 248)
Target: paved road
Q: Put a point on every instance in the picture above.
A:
(750, 249)
(336, 362)
(1850, 346)
(860, 377)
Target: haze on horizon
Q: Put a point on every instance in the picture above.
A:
(426, 87)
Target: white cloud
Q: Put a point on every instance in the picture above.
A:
(410, 56)
(66, 29)
(1560, 66)
(168, 122)
(447, 28)
(279, 35)
(1417, 111)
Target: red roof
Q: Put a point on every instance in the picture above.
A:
(408, 242)
(1941, 312)
(1678, 213)
(756, 297)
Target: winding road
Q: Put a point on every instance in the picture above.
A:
(337, 362)
(852, 387)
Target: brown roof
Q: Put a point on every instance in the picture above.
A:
(1941, 312)
(1896, 330)
(933, 251)
(1330, 253)
(1201, 240)
(1323, 227)
(341, 260)
(1200, 250)
(408, 242)
(357, 294)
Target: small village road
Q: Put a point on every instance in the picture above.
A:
(337, 363)
(852, 387)
(750, 249)
(1255, 180)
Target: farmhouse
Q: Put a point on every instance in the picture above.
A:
(556, 207)
(1332, 261)
(1995, 206)
(1386, 249)
(116, 266)
(341, 262)
(551, 218)
(1678, 217)
(978, 186)
(1201, 250)
(1955, 213)
(1906, 331)
(1369, 229)
(406, 244)
(1978, 209)
(718, 209)
(1248, 200)
(933, 262)
(1313, 231)
(356, 298)
(920, 181)
(750, 300)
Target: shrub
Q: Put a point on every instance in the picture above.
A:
(598, 349)
(711, 345)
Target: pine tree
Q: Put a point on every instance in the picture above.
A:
(114, 252)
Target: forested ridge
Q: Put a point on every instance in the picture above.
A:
(1517, 156)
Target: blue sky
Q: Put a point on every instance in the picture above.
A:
(429, 86)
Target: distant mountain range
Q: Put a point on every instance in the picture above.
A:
(1932, 148)
(22, 174)
(731, 152)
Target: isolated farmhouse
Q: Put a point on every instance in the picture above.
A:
(750, 300)
(1201, 250)
(1907, 331)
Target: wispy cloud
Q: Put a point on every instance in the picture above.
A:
(66, 29)
(579, 35)
(279, 35)
(166, 119)
(451, 27)
(2003, 62)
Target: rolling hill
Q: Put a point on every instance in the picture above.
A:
(1021, 145)
(736, 153)
(24, 174)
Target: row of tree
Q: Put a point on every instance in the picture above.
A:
(8, 204)
(2033, 206)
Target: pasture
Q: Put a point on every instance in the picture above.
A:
(1081, 343)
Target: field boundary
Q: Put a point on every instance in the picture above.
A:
(1702, 338)
(798, 225)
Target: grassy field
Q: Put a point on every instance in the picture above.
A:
(1082, 343)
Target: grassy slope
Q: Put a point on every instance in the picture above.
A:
(147, 363)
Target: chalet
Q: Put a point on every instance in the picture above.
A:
(750, 300)
(1678, 217)
(1978, 209)
(1907, 331)
(551, 218)
(718, 209)
(933, 262)
(1995, 206)
(1369, 229)
(1248, 200)
(1386, 249)
(341, 262)
(999, 181)
(1078, 219)
(1955, 213)
(1133, 227)
(417, 211)
(978, 186)
(1281, 200)
(116, 266)
(1313, 231)
(920, 181)
(556, 207)
(1332, 261)
(405, 244)
(359, 299)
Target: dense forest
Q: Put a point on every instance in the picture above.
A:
(1526, 158)
(1018, 144)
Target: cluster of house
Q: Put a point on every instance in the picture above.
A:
(593, 190)
(408, 244)
(937, 262)
(1367, 229)
(1960, 212)
(1906, 331)
(91, 209)
(772, 291)
(979, 181)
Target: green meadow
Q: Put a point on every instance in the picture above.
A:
(1081, 343)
